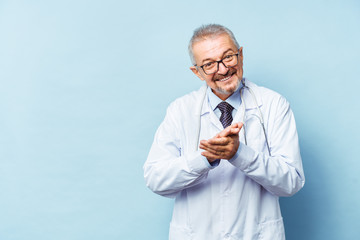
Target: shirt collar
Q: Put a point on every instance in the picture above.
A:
(234, 100)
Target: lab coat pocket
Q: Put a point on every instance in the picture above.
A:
(271, 230)
(179, 232)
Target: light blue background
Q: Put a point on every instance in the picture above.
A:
(85, 84)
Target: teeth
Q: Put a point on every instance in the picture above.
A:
(223, 80)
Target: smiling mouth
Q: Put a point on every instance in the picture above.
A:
(224, 79)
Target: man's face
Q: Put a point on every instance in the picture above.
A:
(225, 81)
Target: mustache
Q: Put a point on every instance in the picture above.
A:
(230, 72)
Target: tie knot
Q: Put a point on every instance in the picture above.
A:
(225, 107)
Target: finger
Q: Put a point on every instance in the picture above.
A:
(238, 125)
(210, 156)
(224, 132)
(234, 131)
(212, 148)
(230, 130)
(212, 151)
(204, 144)
(219, 141)
(236, 128)
(215, 141)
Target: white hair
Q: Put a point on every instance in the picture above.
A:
(209, 31)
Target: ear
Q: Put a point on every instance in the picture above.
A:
(196, 72)
(241, 53)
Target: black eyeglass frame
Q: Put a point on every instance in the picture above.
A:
(218, 62)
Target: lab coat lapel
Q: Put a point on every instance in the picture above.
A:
(248, 98)
(208, 113)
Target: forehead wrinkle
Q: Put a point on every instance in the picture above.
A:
(211, 46)
(210, 59)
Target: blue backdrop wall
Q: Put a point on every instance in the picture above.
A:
(85, 84)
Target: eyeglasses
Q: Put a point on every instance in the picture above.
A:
(227, 61)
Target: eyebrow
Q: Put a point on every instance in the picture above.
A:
(210, 59)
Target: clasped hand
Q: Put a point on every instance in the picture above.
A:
(224, 145)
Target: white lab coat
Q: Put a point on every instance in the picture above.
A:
(238, 199)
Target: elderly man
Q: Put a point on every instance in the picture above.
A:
(226, 152)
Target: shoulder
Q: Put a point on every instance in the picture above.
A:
(266, 95)
(189, 102)
(263, 92)
(183, 110)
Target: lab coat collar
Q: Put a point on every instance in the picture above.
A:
(205, 106)
(248, 98)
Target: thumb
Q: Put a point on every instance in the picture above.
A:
(238, 125)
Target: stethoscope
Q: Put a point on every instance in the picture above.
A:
(260, 117)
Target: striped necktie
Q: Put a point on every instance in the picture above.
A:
(226, 116)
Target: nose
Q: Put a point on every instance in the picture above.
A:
(222, 69)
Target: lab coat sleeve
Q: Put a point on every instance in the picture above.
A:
(167, 170)
(282, 172)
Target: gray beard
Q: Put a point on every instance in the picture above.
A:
(223, 91)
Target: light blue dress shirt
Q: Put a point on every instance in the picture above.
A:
(234, 100)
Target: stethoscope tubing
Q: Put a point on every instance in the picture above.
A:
(260, 117)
